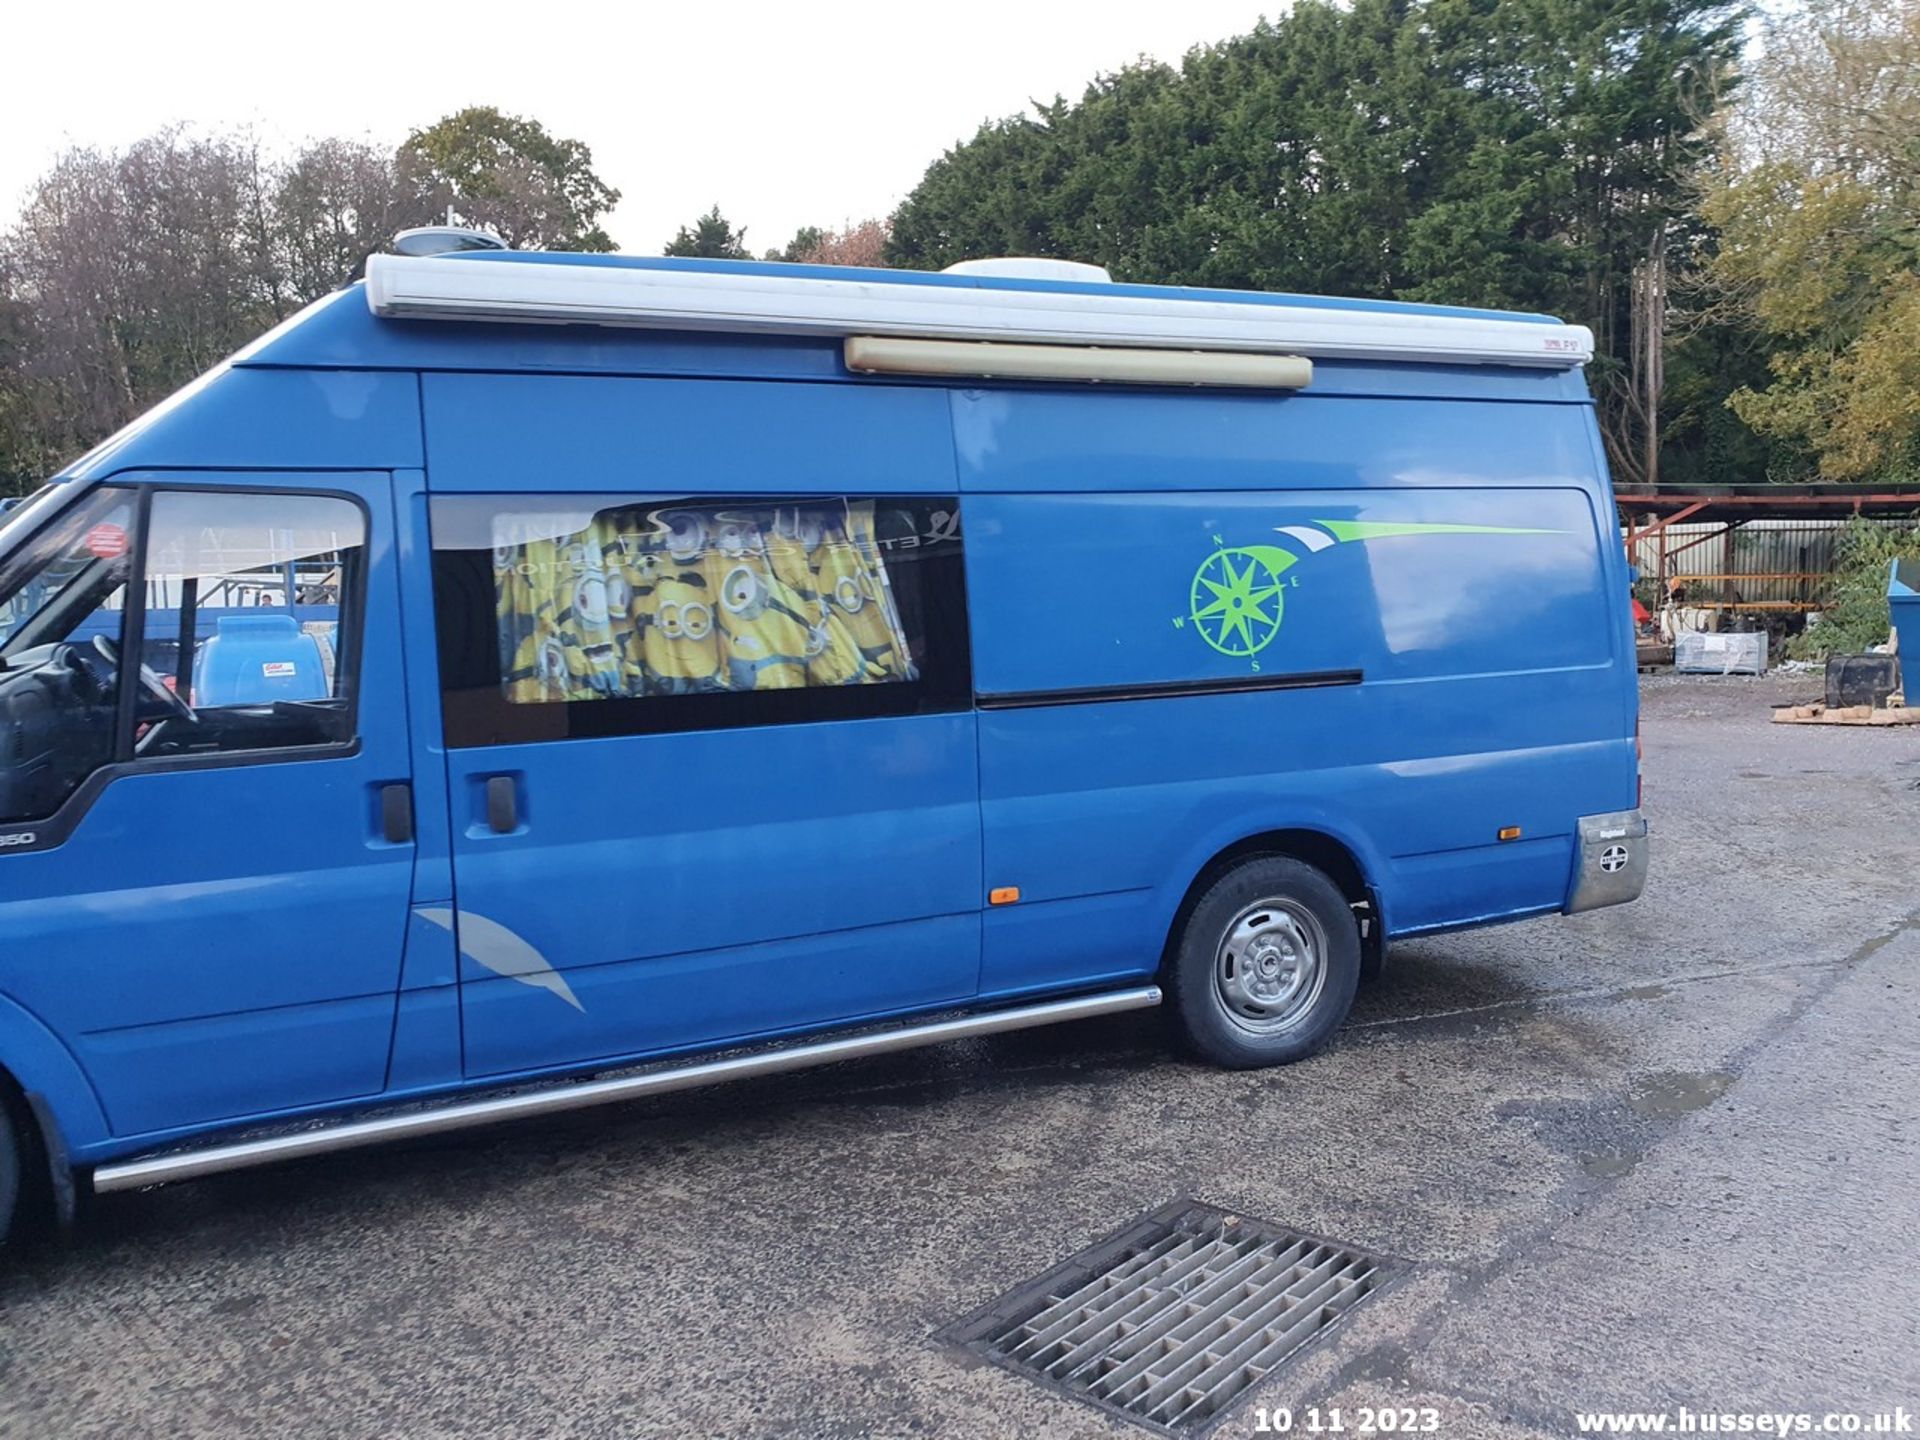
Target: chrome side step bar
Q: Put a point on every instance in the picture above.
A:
(239, 1155)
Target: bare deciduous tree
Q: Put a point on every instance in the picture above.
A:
(130, 272)
(334, 204)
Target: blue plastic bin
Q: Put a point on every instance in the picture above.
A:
(1903, 599)
(258, 659)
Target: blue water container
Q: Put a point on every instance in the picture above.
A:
(1903, 599)
(256, 660)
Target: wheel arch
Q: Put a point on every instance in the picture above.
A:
(1336, 858)
(52, 1105)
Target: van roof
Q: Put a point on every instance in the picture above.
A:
(237, 414)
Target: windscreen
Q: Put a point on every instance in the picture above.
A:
(57, 580)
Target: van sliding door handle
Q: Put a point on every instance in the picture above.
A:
(396, 814)
(503, 805)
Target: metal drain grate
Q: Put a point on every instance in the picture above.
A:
(1172, 1320)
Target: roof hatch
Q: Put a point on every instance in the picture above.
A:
(1033, 267)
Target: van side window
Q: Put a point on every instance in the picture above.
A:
(564, 617)
(251, 612)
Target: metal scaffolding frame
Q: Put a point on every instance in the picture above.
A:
(1651, 512)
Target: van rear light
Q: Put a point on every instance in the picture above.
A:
(1639, 764)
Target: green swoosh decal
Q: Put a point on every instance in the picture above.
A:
(1375, 530)
(1271, 556)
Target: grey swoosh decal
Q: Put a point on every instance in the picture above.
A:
(493, 946)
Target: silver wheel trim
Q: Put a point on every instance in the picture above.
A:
(1271, 967)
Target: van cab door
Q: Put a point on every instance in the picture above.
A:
(205, 854)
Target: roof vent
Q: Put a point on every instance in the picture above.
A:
(445, 240)
(1033, 267)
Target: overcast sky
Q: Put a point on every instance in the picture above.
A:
(785, 114)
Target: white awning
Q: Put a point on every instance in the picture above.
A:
(670, 298)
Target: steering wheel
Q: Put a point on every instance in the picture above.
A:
(150, 682)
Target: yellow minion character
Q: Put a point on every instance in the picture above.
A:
(682, 535)
(857, 618)
(586, 630)
(765, 632)
(513, 617)
(682, 650)
(643, 563)
(734, 534)
(537, 670)
(793, 542)
(632, 567)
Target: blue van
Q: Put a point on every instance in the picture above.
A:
(519, 682)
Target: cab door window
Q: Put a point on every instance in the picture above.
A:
(250, 620)
(240, 636)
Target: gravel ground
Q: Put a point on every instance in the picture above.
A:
(1650, 1157)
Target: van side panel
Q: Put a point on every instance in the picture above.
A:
(240, 418)
(1392, 622)
(581, 434)
(702, 887)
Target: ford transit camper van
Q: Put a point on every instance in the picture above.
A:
(524, 681)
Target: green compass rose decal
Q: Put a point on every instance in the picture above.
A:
(1238, 598)
(1239, 592)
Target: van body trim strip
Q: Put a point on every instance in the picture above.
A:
(1167, 689)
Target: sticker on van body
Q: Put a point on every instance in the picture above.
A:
(494, 947)
(1238, 595)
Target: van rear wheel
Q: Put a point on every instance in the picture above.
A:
(1267, 964)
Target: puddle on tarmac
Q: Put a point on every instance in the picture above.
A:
(1667, 1093)
(1643, 992)
(1660, 1095)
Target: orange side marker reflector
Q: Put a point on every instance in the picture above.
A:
(1004, 895)
(1509, 832)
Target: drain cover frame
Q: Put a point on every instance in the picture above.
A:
(1180, 1250)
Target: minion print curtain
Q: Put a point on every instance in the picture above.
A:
(680, 600)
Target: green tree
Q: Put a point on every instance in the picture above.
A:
(711, 238)
(507, 173)
(805, 241)
(1533, 154)
(1818, 215)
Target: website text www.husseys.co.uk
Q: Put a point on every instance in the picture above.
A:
(1683, 1421)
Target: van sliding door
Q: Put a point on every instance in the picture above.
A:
(708, 711)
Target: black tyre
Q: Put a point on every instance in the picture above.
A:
(1265, 970)
(9, 1170)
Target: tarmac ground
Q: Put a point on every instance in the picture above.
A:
(1658, 1156)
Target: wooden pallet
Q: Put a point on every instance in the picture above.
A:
(1849, 715)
